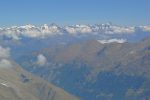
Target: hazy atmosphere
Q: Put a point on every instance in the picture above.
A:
(74, 50)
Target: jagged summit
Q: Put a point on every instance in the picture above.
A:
(54, 29)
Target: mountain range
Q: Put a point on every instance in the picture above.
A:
(87, 62)
(93, 70)
(74, 30)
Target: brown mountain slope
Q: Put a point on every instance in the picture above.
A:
(124, 58)
(17, 84)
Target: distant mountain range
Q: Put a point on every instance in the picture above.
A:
(74, 30)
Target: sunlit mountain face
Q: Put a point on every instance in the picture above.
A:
(91, 62)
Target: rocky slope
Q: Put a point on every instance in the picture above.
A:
(17, 84)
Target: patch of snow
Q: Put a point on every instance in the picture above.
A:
(5, 84)
(112, 41)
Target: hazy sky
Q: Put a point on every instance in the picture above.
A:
(124, 12)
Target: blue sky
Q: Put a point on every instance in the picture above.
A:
(63, 12)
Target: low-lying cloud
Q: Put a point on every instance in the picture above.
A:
(4, 52)
(4, 56)
(41, 60)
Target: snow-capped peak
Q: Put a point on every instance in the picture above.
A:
(53, 29)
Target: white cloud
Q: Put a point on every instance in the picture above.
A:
(111, 41)
(4, 55)
(4, 63)
(123, 29)
(4, 52)
(78, 29)
(51, 30)
(41, 60)
(145, 28)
